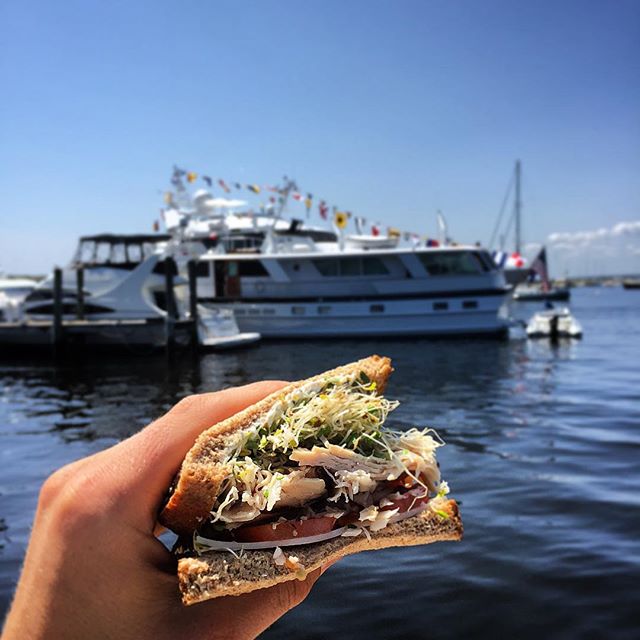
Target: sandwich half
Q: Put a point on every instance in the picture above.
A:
(302, 478)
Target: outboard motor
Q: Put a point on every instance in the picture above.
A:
(553, 329)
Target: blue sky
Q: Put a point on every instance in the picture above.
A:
(392, 110)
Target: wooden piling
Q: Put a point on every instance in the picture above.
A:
(170, 321)
(80, 293)
(193, 302)
(56, 325)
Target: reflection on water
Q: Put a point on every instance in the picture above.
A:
(543, 443)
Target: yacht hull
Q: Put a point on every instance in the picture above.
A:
(375, 318)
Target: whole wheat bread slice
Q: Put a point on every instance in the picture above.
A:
(220, 573)
(203, 469)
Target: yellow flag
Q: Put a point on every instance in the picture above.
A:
(340, 219)
(192, 176)
(392, 232)
(168, 197)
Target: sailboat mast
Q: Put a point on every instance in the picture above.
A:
(518, 206)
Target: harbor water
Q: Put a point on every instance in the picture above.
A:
(543, 454)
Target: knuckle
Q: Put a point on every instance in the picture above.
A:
(70, 498)
(55, 485)
(187, 404)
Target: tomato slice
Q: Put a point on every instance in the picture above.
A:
(275, 531)
(410, 500)
(404, 481)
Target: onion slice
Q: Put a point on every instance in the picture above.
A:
(207, 544)
(409, 514)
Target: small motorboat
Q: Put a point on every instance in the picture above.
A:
(217, 329)
(523, 293)
(554, 323)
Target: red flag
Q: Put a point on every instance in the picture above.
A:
(375, 231)
(323, 209)
(296, 196)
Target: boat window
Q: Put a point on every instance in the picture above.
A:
(350, 266)
(324, 309)
(449, 263)
(252, 268)
(373, 267)
(440, 306)
(87, 252)
(298, 311)
(470, 304)
(118, 254)
(134, 253)
(327, 266)
(70, 309)
(376, 308)
(103, 253)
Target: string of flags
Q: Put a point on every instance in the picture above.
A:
(279, 196)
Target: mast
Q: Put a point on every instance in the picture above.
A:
(518, 206)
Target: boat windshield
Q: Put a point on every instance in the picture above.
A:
(115, 251)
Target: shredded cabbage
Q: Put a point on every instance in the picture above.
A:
(340, 419)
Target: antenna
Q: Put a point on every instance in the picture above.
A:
(518, 206)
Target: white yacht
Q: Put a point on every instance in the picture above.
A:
(123, 278)
(296, 287)
(282, 278)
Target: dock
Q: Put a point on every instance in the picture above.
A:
(78, 334)
(63, 333)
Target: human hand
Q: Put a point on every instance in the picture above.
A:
(94, 568)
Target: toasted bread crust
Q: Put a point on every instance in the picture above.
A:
(203, 470)
(220, 573)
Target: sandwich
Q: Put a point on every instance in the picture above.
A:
(305, 476)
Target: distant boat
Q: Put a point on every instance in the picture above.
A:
(554, 324)
(631, 283)
(543, 290)
(532, 293)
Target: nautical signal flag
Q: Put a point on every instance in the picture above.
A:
(392, 232)
(323, 209)
(192, 176)
(168, 198)
(375, 230)
(207, 181)
(224, 185)
(297, 196)
(253, 187)
(340, 219)
(308, 202)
